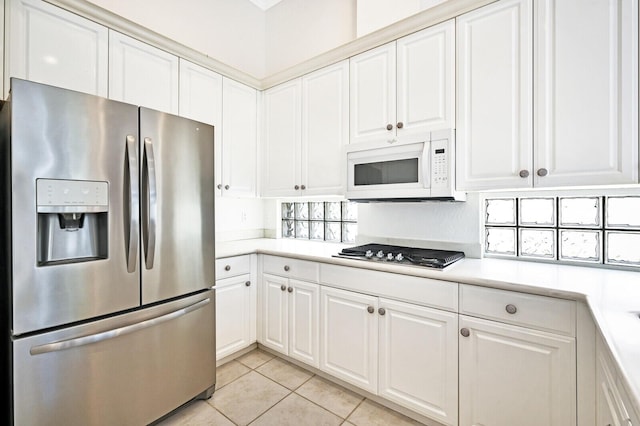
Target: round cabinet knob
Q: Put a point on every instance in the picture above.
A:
(389, 126)
(296, 187)
(283, 287)
(290, 289)
(286, 268)
(400, 125)
(381, 311)
(303, 187)
(219, 186)
(465, 332)
(227, 268)
(542, 172)
(524, 173)
(226, 187)
(247, 283)
(370, 309)
(511, 308)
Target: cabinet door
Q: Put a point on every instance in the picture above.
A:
(494, 96)
(201, 99)
(515, 376)
(586, 92)
(52, 46)
(239, 139)
(426, 82)
(325, 129)
(419, 359)
(275, 327)
(233, 315)
(373, 95)
(282, 140)
(304, 327)
(141, 74)
(349, 337)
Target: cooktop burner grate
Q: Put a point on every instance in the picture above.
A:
(431, 258)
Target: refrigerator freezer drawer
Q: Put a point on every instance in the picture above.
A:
(126, 370)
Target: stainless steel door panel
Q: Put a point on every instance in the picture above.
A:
(177, 210)
(60, 134)
(125, 370)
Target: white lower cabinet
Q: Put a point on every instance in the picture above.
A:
(290, 317)
(236, 299)
(511, 375)
(403, 352)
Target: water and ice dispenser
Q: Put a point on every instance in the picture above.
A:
(72, 221)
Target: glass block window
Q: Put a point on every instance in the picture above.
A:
(589, 229)
(334, 221)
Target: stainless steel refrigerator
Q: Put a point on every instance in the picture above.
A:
(107, 262)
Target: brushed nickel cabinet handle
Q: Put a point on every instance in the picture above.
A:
(290, 289)
(465, 332)
(296, 187)
(303, 187)
(283, 287)
(524, 174)
(543, 172)
(389, 126)
(400, 125)
(219, 186)
(286, 268)
(247, 283)
(511, 308)
(381, 311)
(227, 268)
(370, 309)
(226, 187)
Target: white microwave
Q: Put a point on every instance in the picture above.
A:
(414, 172)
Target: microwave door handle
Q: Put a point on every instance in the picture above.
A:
(151, 203)
(426, 165)
(132, 207)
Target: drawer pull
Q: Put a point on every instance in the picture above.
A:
(381, 311)
(511, 308)
(290, 289)
(227, 268)
(370, 309)
(465, 332)
(247, 283)
(283, 287)
(286, 268)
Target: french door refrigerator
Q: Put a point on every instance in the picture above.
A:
(107, 262)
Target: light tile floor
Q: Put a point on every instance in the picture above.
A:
(261, 389)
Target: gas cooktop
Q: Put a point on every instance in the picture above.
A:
(428, 258)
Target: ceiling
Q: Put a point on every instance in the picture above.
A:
(265, 4)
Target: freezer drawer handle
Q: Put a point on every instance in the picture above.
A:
(150, 205)
(133, 206)
(110, 334)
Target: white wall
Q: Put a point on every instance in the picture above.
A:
(231, 31)
(298, 30)
(376, 14)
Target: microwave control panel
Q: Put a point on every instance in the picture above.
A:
(440, 163)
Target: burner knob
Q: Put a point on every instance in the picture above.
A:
(389, 256)
(368, 254)
(380, 254)
(399, 257)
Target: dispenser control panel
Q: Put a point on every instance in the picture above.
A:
(83, 194)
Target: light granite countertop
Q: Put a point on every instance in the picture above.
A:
(613, 296)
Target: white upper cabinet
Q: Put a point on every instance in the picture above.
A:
(52, 46)
(306, 127)
(141, 74)
(201, 99)
(494, 96)
(404, 89)
(586, 105)
(325, 129)
(579, 126)
(239, 139)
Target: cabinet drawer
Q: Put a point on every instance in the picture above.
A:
(233, 266)
(540, 312)
(290, 268)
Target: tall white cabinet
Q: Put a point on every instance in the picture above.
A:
(404, 89)
(547, 94)
(141, 74)
(306, 127)
(52, 46)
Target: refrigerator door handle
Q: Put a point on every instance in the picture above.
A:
(113, 333)
(151, 204)
(133, 205)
